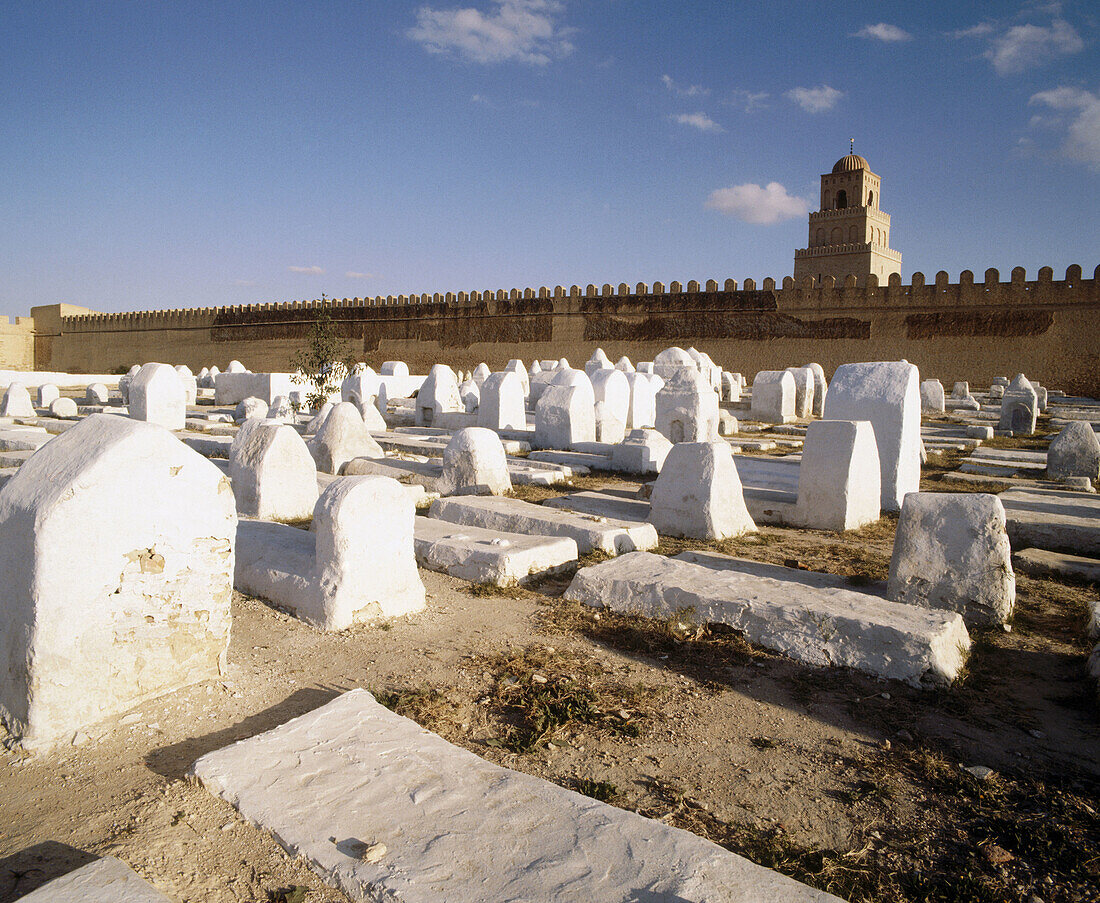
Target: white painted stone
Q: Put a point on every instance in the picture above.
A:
(319, 418)
(996, 393)
(643, 451)
(1019, 407)
(342, 437)
(1041, 393)
(803, 391)
(116, 558)
(951, 551)
(671, 361)
(624, 365)
(96, 394)
(458, 828)
(106, 880)
(250, 409)
(838, 477)
(961, 389)
(642, 407)
(281, 410)
(727, 423)
(394, 368)
(565, 415)
(698, 494)
(357, 563)
(17, 402)
(598, 361)
(64, 407)
(514, 516)
(687, 408)
(612, 387)
(361, 389)
(46, 394)
(563, 364)
(731, 388)
(189, 382)
(1074, 452)
(516, 366)
(817, 625)
(233, 388)
(236, 367)
(502, 402)
(471, 396)
(931, 397)
(609, 429)
(273, 474)
(474, 464)
(888, 395)
(157, 396)
(438, 395)
(974, 431)
(821, 388)
(488, 556)
(773, 396)
(645, 367)
(481, 373)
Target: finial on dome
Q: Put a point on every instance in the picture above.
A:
(852, 145)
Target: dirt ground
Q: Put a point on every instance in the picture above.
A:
(853, 784)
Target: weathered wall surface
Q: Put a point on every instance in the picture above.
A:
(970, 330)
(17, 344)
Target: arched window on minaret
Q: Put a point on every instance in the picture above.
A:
(853, 234)
(820, 237)
(841, 199)
(826, 200)
(870, 199)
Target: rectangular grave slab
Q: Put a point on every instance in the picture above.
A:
(107, 880)
(1043, 563)
(488, 556)
(513, 516)
(1052, 519)
(816, 625)
(389, 812)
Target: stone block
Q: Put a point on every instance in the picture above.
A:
(474, 464)
(444, 824)
(46, 394)
(643, 451)
(107, 880)
(117, 559)
(96, 394)
(931, 397)
(342, 437)
(698, 494)
(502, 402)
(1074, 452)
(803, 391)
(815, 625)
(565, 415)
(356, 564)
(17, 401)
(773, 396)
(64, 407)
(609, 429)
(438, 394)
(611, 387)
(1019, 407)
(642, 407)
(821, 388)
(274, 475)
(838, 477)
(157, 396)
(951, 551)
(250, 408)
(687, 408)
(888, 395)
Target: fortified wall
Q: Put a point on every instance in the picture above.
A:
(1048, 329)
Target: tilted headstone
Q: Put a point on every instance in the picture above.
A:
(17, 402)
(888, 395)
(117, 571)
(951, 551)
(699, 494)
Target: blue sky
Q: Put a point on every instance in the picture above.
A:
(204, 153)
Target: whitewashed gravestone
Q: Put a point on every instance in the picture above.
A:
(951, 551)
(1074, 452)
(96, 394)
(342, 437)
(116, 563)
(64, 408)
(773, 396)
(642, 411)
(821, 388)
(47, 393)
(566, 414)
(687, 408)
(838, 477)
(888, 395)
(474, 464)
(356, 564)
(17, 402)
(437, 395)
(643, 451)
(699, 494)
(502, 402)
(1019, 407)
(157, 396)
(803, 391)
(931, 397)
(250, 408)
(274, 475)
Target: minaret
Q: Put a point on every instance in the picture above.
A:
(849, 235)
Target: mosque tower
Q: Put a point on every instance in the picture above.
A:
(849, 235)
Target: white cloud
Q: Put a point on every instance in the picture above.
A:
(815, 100)
(700, 121)
(1023, 47)
(522, 30)
(684, 90)
(351, 274)
(312, 271)
(749, 101)
(753, 204)
(883, 32)
(981, 30)
(1081, 112)
(479, 98)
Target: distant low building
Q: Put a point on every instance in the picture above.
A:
(849, 235)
